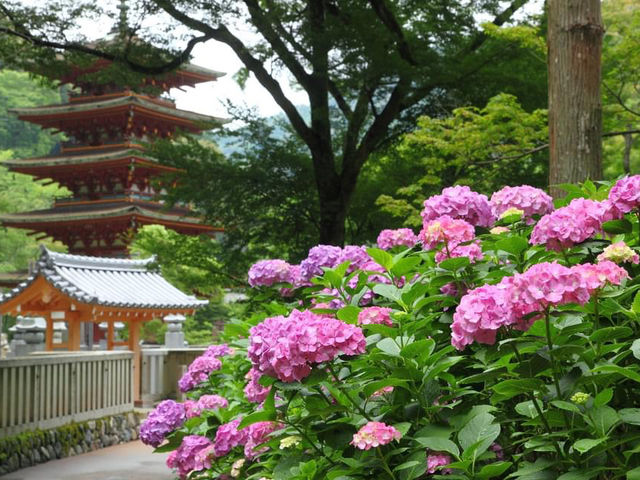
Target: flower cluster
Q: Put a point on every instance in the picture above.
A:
(287, 347)
(255, 392)
(472, 251)
(192, 455)
(198, 372)
(318, 257)
(374, 434)
(438, 460)
(266, 273)
(164, 419)
(459, 202)
(625, 194)
(355, 255)
(446, 231)
(258, 433)
(377, 315)
(194, 408)
(567, 226)
(530, 200)
(484, 310)
(228, 436)
(396, 238)
(619, 252)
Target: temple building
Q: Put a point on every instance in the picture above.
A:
(103, 162)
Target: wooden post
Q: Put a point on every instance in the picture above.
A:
(134, 346)
(49, 334)
(110, 335)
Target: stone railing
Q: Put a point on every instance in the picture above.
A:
(52, 389)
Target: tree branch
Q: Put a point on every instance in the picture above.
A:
(620, 101)
(389, 20)
(500, 19)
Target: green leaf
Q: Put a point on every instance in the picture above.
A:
(348, 314)
(630, 415)
(421, 347)
(617, 226)
(610, 333)
(635, 306)
(527, 409)
(624, 371)
(603, 419)
(454, 264)
(439, 444)
(416, 470)
(255, 417)
(634, 474)
(510, 388)
(381, 257)
(562, 405)
(527, 468)
(493, 470)
(635, 348)
(405, 265)
(478, 435)
(513, 245)
(603, 397)
(373, 387)
(586, 444)
(387, 291)
(579, 475)
(389, 346)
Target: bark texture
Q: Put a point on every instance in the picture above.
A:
(575, 110)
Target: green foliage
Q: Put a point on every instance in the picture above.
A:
(484, 148)
(152, 332)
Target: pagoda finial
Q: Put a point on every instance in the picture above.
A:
(123, 26)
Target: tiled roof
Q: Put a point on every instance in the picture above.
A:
(77, 159)
(110, 282)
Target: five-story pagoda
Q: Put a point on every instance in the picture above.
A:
(103, 162)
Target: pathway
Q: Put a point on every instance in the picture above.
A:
(128, 461)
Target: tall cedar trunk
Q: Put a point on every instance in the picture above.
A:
(575, 111)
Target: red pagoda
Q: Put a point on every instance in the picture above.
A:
(104, 165)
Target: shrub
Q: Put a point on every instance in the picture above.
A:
(493, 355)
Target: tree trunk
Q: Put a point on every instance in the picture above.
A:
(575, 111)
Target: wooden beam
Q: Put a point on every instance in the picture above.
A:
(110, 336)
(134, 346)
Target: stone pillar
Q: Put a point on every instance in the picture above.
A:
(174, 338)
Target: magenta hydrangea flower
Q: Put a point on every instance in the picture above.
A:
(216, 351)
(164, 419)
(625, 194)
(567, 226)
(619, 252)
(436, 461)
(472, 251)
(287, 348)
(356, 255)
(318, 257)
(374, 434)
(228, 436)
(459, 202)
(255, 392)
(192, 455)
(375, 315)
(198, 372)
(258, 433)
(266, 273)
(395, 238)
(532, 201)
(446, 231)
(497, 449)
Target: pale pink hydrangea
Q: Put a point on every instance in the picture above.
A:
(532, 201)
(198, 372)
(446, 231)
(205, 402)
(472, 251)
(374, 434)
(192, 455)
(625, 194)
(266, 273)
(356, 256)
(437, 460)
(255, 392)
(596, 276)
(619, 252)
(499, 230)
(164, 419)
(258, 433)
(459, 202)
(287, 347)
(395, 238)
(375, 315)
(228, 437)
(318, 257)
(567, 226)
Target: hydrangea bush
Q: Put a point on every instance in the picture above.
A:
(499, 342)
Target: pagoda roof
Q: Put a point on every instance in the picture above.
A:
(108, 282)
(50, 115)
(72, 160)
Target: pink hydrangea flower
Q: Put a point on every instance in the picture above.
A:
(596, 276)
(228, 436)
(472, 251)
(619, 252)
(164, 419)
(198, 372)
(532, 201)
(217, 351)
(377, 315)
(446, 231)
(625, 194)
(255, 392)
(266, 273)
(286, 348)
(567, 226)
(192, 455)
(459, 202)
(497, 449)
(318, 257)
(436, 461)
(374, 434)
(356, 256)
(258, 433)
(395, 238)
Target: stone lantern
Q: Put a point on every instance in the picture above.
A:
(174, 338)
(28, 335)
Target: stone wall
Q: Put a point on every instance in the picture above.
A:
(30, 448)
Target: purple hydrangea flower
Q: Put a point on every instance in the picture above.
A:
(164, 419)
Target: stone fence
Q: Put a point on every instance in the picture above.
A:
(44, 391)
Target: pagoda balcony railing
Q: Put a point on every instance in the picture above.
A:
(48, 390)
